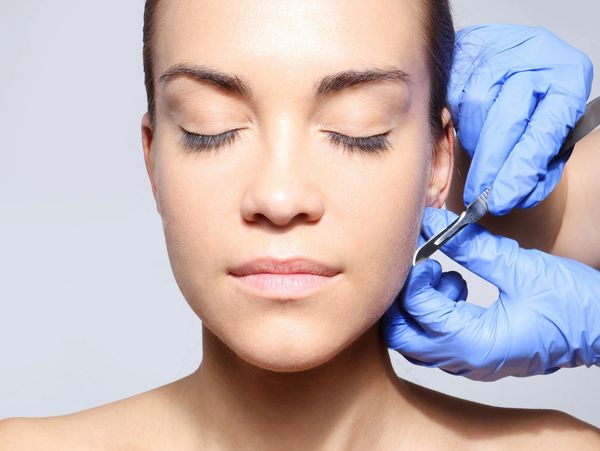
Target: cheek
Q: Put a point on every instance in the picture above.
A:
(383, 215)
(197, 214)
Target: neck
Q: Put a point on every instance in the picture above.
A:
(353, 399)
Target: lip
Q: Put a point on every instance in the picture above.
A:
(297, 265)
(284, 279)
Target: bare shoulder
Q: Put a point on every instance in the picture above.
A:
(544, 429)
(114, 426)
(471, 425)
(34, 433)
(68, 432)
(559, 430)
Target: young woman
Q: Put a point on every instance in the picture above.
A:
(291, 148)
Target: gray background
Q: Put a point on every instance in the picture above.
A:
(89, 310)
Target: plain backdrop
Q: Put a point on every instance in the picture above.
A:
(89, 309)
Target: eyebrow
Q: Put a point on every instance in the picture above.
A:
(329, 84)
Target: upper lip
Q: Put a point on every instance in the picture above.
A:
(284, 266)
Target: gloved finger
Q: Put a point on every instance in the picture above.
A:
(406, 338)
(422, 277)
(420, 240)
(477, 77)
(469, 52)
(418, 362)
(401, 333)
(546, 184)
(453, 286)
(397, 328)
(504, 125)
(492, 257)
(428, 306)
(444, 349)
(475, 374)
(528, 162)
(477, 97)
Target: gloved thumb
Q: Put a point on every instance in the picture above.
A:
(426, 298)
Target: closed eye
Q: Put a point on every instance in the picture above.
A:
(370, 144)
(194, 142)
(375, 143)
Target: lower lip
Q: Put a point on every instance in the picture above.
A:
(284, 285)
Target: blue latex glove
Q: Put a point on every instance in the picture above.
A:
(546, 317)
(515, 92)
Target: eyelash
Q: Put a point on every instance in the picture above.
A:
(368, 144)
(196, 143)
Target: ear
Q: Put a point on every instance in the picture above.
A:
(147, 140)
(443, 162)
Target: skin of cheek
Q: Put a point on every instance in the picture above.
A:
(371, 217)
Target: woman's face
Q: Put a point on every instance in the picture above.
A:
(281, 187)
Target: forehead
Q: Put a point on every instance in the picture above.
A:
(290, 40)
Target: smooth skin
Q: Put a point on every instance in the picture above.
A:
(310, 373)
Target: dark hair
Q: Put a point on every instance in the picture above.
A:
(148, 38)
(439, 38)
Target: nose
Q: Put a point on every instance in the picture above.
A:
(284, 188)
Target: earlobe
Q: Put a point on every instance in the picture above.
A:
(443, 163)
(147, 141)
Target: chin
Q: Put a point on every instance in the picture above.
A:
(289, 346)
(288, 363)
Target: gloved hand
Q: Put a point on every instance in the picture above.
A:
(547, 315)
(515, 92)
